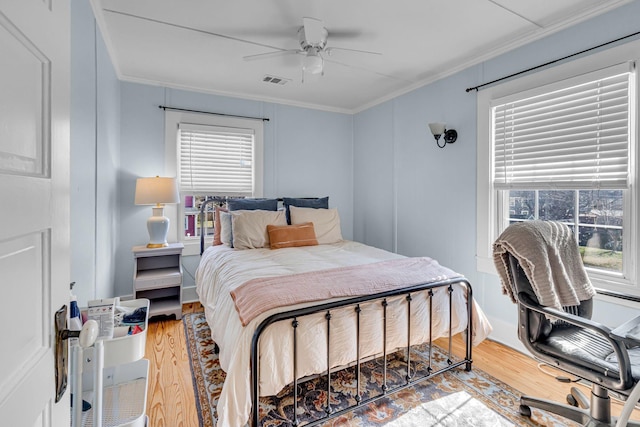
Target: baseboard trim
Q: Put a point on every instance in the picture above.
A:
(189, 294)
(506, 333)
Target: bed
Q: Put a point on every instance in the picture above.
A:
(310, 326)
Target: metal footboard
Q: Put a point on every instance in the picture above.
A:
(295, 315)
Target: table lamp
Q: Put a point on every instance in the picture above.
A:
(157, 191)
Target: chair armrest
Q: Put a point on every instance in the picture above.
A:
(617, 343)
(583, 322)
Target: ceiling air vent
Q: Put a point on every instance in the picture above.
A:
(275, 80)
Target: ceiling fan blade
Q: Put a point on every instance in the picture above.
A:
(314, 30)
(287, 31)
(272, 54)
(331, 49)
(345, 34)
(366, 70)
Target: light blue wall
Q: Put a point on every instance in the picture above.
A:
(373, 166)
(306, 153)
(422, 202)
(95, 139)
(433, 189)
(107, 166)
(83, 150)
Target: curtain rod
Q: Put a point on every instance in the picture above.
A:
(551, 62)
(264, 119)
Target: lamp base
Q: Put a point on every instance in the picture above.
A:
(158, 226)
(157, 245)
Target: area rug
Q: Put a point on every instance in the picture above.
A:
(454, 398)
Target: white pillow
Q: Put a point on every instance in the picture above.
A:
(225, 228)
(250, 227)
(326, 222)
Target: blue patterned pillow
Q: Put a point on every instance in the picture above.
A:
(318, 203)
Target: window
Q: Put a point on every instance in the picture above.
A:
(596, 217)
(561, 145)
(211, 156)
(213, 161)
(574, 136)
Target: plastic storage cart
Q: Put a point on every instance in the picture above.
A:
(116, 383)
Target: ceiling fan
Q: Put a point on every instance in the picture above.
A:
(313, 46)
(312, 36)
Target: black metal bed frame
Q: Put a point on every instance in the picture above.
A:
(293, 315)
(355, 303)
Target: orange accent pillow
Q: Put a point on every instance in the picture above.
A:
(288, 236)
(217, 225)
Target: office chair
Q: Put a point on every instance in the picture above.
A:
(569, 340)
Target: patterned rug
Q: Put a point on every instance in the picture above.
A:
(455, 398)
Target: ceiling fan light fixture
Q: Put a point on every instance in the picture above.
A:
(312, 63)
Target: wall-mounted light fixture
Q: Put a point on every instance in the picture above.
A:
(439, 129)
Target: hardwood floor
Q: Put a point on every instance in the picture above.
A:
(170, 398)
(171, 402)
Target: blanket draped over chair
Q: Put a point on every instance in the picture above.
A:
(550, 258)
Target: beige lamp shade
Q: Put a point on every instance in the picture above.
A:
(156, 191)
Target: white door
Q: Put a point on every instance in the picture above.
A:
(34, 206)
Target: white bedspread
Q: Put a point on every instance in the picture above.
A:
(222, 269)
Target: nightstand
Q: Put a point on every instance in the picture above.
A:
(157, 276)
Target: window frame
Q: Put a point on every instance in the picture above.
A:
(489, 219)
(172, 148)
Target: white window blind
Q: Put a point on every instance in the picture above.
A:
(216, 160)
(567, 136)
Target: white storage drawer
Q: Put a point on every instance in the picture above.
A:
(158, 278)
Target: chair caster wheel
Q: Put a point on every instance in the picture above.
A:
(572, 400)
(525, 411)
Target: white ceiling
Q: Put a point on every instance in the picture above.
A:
(200, 44)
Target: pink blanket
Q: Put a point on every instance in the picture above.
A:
(257, 296)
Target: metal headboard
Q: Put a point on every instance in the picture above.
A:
(203, 210)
